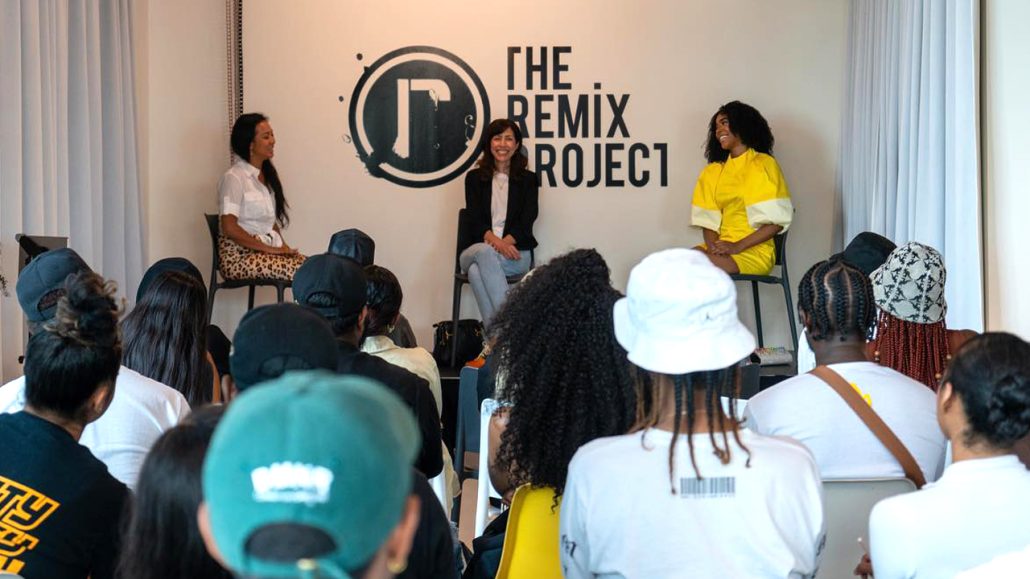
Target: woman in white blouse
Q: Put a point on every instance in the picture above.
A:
(253, 208)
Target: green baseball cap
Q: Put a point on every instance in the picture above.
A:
(311, 450)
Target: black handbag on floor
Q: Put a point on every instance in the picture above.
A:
(469, 338)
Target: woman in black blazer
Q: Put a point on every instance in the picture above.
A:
(501, 198)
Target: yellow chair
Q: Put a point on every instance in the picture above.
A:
(531, 540)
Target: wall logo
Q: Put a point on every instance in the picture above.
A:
(417, 115)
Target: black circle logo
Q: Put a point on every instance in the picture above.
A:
(417, 116)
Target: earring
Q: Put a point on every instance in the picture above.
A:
(397, 567)
(389, 329)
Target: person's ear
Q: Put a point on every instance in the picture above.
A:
(398, 545)
(362, 318)
(803, 318)
(395, 319)
(204, 524)
(945, 397)
(99, 401)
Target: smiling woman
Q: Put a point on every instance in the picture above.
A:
(501, 198)
(741, 200)
(253, 207)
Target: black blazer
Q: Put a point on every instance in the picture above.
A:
(522, 207)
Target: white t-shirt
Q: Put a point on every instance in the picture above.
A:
(619, 517)
(1008, 565)
(242, 194)
(808, 410)
(499, 203)
(979, 509)
(142, 409)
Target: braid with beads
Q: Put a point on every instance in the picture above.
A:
(919, 351)
(838, 300)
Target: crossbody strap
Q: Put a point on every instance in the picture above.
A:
(874, 422)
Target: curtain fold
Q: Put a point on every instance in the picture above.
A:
(68, 152)
(909, 164)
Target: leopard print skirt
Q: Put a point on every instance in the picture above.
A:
(238, 262)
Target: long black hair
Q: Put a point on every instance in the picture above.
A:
(991, 375)
(166, 336)
(243, 132)
(77, 351)
(519, 162)
(747, 124)
(565, 375)
(162, 540)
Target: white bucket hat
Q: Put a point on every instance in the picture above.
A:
(680, 315)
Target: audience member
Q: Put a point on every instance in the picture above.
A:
(310, 476)
(277, 338)
(911, 334)
(357, 245)
(747, 505)
(60, 506)
(978, 509)
(166, 337)
(835, 304)
(336, 288)
(384, 310)
(142, 408)
(162, 540)
(179, 264)
(867, 251)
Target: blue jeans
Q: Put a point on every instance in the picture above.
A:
(488, 271)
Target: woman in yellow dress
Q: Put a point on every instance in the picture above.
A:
(741, 200)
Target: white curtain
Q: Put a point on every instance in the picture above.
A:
(909, 159)
(68, 162)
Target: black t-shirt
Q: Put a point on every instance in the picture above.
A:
(412, 389)
(432, 550)
(59, 507)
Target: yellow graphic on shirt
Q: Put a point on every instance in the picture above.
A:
(21, 510)
(868, 399)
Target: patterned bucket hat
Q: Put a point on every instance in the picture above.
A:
(910, 284)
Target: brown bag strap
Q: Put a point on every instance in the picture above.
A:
(874, 422)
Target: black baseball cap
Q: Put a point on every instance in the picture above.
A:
(867, 251)
(338, 278)
(274, 339)
(41, 283)
(353, 244)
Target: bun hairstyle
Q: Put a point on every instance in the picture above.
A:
(384, 300)
(76, 351)
(991, 375)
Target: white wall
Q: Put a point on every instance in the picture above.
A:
(679, 60)
(1006, 121)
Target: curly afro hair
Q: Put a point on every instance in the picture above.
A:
(567, 379)
(747, 123)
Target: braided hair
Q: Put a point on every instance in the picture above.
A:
(919, 351)
(566, 377)
(838, 300)
(713, 384)
(991, 375)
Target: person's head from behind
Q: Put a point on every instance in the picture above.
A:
(309, 475)
(180, 264)
(502, 144)
(72, 360)
(566, 377)
(911, 335)
(166, 335)
(737, 123)
(984, 399)
(274, 339)
(384, 300)
(336, 288)
(162, 540)
(253, 140)
(353, 244)
(835, 303)
(41, 284)
(679, 323)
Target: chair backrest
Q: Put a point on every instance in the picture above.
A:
(531, 540)
(847, 504)
(463, 238)
(780, 248)
(212, 228)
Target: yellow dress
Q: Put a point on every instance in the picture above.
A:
(737, 197)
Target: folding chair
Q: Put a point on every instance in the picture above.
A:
(847, 504)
